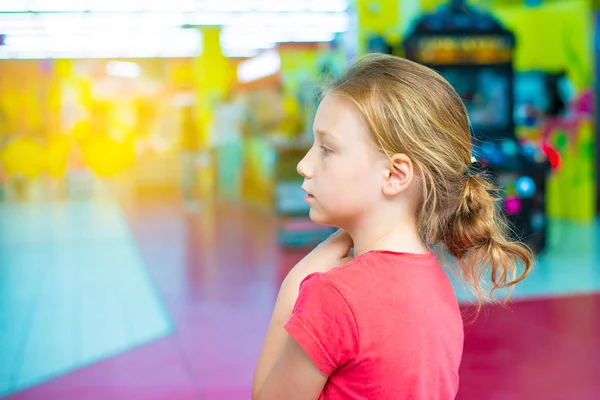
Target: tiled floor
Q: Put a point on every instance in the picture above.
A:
(217, 272)
(73, 290)
(536, 350)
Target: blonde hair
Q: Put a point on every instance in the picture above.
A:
(411, 109)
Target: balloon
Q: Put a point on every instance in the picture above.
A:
(22, 157)
(107, 157)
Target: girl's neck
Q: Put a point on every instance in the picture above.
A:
(401, 238)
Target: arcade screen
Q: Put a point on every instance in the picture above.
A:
(530, 90)
(486, 94)
(540, 91)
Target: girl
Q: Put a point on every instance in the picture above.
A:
(391, 166)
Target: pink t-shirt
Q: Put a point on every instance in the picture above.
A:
(385, 326)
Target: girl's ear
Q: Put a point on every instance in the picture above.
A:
(399, 174)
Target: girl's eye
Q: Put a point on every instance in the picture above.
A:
(325, 150)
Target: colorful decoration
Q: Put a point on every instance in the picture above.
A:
(525, 187)
(513, 205)
(23, 157)
(107, 157)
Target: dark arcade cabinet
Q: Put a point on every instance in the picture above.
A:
(472, 50)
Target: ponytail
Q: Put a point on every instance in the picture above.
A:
(477, 236)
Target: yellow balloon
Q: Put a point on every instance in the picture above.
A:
(56, 156)
(22, 157)
(107, 157)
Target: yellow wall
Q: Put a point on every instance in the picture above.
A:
(553, 37)
(381, 17)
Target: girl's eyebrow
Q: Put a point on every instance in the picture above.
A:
(323, 134)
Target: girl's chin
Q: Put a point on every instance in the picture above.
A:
(318, 217)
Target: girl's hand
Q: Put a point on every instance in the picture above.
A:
(332, 252)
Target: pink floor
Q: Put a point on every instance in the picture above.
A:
(218, 282)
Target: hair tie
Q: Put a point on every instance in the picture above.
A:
(474, 169)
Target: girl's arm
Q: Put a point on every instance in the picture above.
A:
(276, 335)
(294, 376)
(279, 350)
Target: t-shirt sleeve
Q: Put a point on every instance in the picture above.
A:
(323, 324)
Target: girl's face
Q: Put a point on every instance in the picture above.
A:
(343, 173)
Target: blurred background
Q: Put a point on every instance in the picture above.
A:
(150, 205)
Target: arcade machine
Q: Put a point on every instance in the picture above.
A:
(475, 54)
